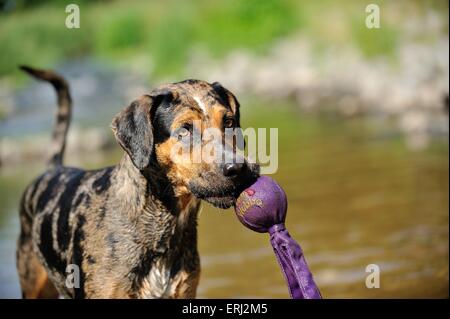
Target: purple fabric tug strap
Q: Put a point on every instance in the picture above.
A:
(293, 264)
(262, 207)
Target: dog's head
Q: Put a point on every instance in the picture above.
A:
(184, 129)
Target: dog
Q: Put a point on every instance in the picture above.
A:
(129, 230)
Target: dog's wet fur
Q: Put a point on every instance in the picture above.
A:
(130, 228)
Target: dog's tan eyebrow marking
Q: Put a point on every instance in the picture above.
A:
(185, 116)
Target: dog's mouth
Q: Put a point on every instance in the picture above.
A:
(218, 197)
(221, 197)
(222, 192)
(222, 202)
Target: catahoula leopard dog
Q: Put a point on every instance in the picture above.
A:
(130, 229)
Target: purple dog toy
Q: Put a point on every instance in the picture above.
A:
(262, 207)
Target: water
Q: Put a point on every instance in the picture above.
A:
(356, 197)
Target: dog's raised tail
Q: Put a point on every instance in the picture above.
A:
(63, 112)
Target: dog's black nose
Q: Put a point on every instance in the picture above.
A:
(233, 169)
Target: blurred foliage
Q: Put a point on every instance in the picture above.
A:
(10, 5)
(373, 42)
(166, 32)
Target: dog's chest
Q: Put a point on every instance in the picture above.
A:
(169, 280)
(159, 283)
(156, 283)
(169, 276)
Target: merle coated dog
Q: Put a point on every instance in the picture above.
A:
(130, 229)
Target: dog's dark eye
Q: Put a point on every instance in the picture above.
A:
(229, 122)
(184, 130)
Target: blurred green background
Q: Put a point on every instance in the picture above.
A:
(166, 32)
(362, 116)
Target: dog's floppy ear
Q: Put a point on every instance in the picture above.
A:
(133, 128)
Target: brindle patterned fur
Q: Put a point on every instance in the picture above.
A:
(130, 228)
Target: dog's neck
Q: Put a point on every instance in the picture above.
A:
(157, 230)
(148, 202)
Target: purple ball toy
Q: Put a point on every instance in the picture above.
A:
(262, 207)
